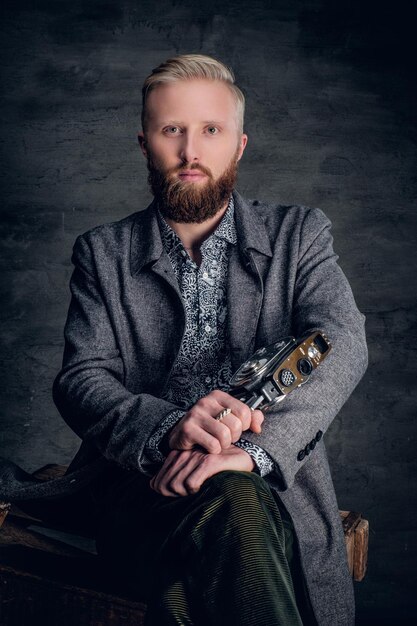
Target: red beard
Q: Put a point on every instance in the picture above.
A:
(191, 202)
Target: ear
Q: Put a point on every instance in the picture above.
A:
(142, 143)
(242, 145)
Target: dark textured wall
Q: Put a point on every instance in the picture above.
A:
(330, 115)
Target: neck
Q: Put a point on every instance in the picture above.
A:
(193, 234)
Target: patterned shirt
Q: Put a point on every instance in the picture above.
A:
(204, 362)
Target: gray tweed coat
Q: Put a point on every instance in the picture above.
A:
(124, 330)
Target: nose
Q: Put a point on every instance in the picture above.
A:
(189, 148)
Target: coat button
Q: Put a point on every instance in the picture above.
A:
(319, 435)
(301, 455)
(255, 203)
(307, 449)
(312, 444)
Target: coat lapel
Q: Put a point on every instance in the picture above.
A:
(147, 254)
(147, 249)
(248, 265)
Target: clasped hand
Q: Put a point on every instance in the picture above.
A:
(201, 446)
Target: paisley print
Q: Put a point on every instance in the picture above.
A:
(204, 362)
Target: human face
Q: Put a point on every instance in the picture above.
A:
(192, 142)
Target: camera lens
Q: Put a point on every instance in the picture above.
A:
(305, 367)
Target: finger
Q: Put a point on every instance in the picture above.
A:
(207, 467)
(257, 421)
(234, 459)
(238, 408)
(220, 431)
(156, 488)
(156, 481)
(200, 431)
(235, 426)
(206, 432)
(172, 483)
(173, 463)
(177, 484)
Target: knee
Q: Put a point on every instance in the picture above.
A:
(235, 481)
(240, 489)
(242, 505)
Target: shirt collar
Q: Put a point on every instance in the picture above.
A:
(225, 230)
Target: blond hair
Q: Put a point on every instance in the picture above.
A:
(191, 67)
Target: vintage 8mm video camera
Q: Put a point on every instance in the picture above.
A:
(274, 371)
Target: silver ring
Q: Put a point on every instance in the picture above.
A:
(222, 414)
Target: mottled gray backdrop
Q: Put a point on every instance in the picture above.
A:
(331, 103)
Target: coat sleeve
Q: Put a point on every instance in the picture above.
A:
(322, 299)
(89, 391)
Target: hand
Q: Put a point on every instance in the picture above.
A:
(184, 471)
(198, 426)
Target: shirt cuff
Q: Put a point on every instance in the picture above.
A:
(264, 464)
(153, 453)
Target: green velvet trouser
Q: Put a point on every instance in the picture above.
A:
(224, 556)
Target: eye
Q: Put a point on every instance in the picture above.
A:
(212, 130)
(171, 130)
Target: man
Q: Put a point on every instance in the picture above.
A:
(215, 514)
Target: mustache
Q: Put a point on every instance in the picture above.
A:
(192, 166)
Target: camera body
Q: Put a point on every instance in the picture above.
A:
(274, 371)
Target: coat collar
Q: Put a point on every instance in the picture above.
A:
(146, 243)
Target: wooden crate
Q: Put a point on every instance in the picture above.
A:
(356, 530)
(46, 581)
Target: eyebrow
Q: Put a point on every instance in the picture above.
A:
(178, 123)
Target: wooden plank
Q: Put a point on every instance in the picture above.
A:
(14, 532)
(350, 550)
(4, 510)
(47, 472)
(361, 540)
(50, 471)
(350, 522)
(29, 599)
(350, 519)
(16, 512)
